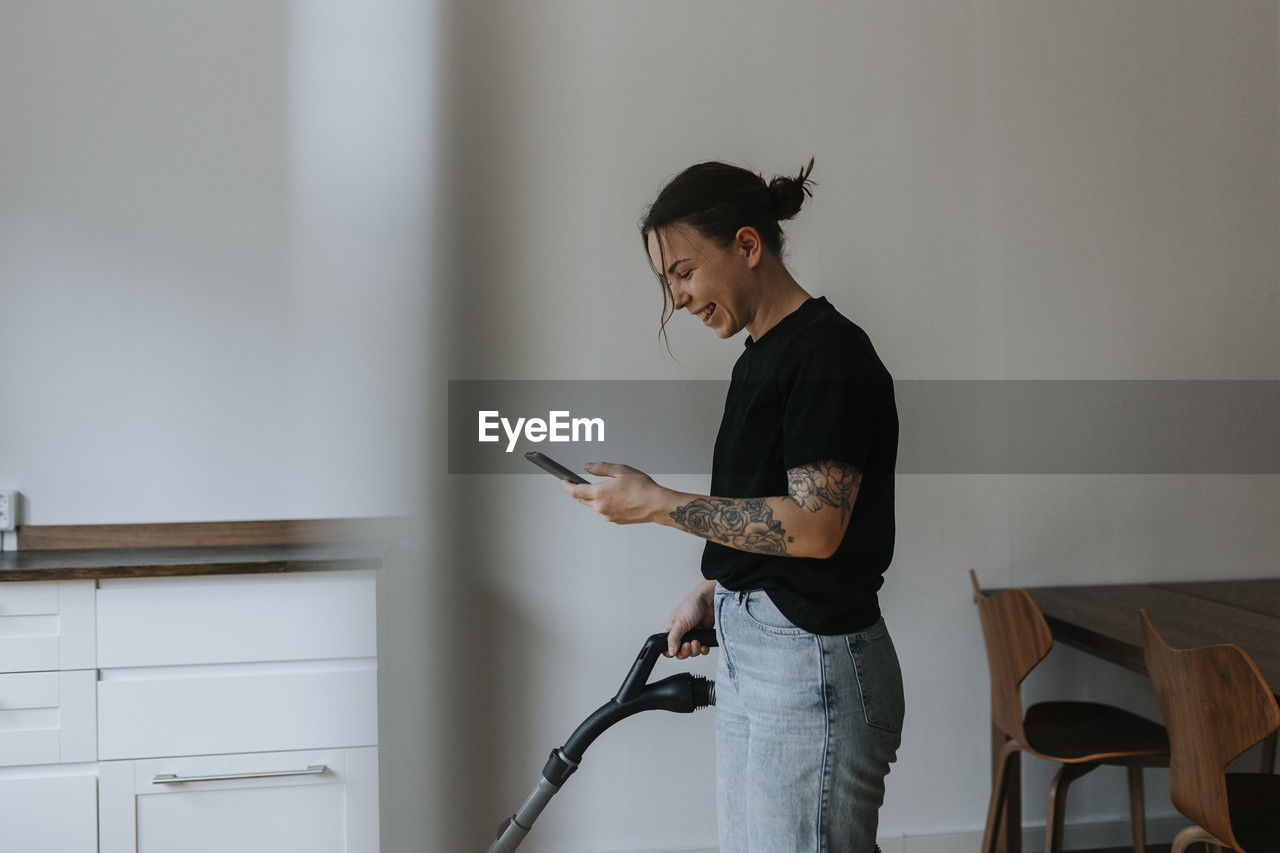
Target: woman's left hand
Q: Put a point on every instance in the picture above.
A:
(626, 496)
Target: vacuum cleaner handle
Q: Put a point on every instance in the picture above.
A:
(706, 636)
(649, 652)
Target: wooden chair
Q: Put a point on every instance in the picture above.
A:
(1078, 735)
(1216, 705)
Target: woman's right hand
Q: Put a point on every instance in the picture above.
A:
(696, 610)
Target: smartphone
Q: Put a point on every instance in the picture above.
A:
(551, 466)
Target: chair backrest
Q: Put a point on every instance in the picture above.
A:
(1017, 638)
(1215, 705)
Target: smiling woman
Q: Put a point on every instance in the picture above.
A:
(683, 227)
(799, 524)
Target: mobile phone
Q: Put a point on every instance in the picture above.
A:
(551, 466)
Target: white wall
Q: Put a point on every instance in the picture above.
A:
(212, 259)
(1006, 189)
(214, 293)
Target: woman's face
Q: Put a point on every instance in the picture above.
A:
(714, 284)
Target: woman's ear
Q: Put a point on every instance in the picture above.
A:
(747, 242)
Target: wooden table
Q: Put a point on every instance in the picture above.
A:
(1103, 621)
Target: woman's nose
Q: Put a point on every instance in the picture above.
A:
(680, 296)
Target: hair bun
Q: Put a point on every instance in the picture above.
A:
(788, 193)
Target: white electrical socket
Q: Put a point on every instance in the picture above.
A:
(8, 510)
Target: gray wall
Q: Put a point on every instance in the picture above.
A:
(1006, 189)
(223, 294)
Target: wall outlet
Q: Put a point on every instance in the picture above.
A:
(9, 502)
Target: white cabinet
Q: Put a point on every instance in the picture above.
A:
(318, 801)
(48, 782)
(237, 708)
(46, 625)
(238, 713)
(189, 714)
(46, 717)
(46, 809)
(149, 622)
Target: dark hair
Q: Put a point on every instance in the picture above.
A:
(719, 199)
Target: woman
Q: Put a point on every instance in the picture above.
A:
(800, 524)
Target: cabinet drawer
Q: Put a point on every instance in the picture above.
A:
(46, 625)
(236, 708)
(47, 718)
(319, 801)
(232, 619)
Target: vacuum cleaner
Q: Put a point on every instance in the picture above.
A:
(682, 693)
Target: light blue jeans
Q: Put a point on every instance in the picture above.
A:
(806, 728)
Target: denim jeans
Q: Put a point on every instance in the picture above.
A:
(806, 728)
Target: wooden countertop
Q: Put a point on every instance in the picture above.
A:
(80, 564)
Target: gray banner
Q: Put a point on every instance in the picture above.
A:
(947, 426)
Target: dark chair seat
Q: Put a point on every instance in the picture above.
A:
(1254, 800)
(1078, 736)
(1091, 731)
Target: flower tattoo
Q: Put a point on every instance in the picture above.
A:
(824, 484)
(743, 523)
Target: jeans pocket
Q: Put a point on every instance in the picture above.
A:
(761, 610)
(875, 662)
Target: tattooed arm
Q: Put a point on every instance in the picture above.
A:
(809, 522)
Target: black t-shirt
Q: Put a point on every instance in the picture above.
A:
(811, 389)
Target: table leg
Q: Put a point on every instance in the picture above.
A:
(1009, 830)
(1269, 753)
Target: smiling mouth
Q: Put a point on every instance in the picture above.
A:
(705, 313)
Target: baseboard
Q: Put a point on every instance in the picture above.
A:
(1078, 836)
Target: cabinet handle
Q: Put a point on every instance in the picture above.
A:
(170, 778)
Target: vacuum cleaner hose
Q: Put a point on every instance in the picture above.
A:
(682, 693)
